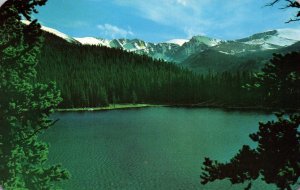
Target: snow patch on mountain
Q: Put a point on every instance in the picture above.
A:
(179, 42)
(58, 33)
(205, 40)
(289, 33)
(266, 46)
(274, 38)
(225, 52)
(135, 45)
(93, 41)
(53, 31)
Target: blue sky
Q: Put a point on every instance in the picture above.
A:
(162, 20)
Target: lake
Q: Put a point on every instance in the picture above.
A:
(159, 148)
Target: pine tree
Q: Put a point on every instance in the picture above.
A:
(281, 79)
(134, 97)
(114, 99)
(103, 97)
(25, 105)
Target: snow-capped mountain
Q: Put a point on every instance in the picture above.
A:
(280, 37)
(129, 45)
(59, 34)
(270, 40)
(55, 32)
(178, 41)
(175, 50)
(178, 50)
(93, 41)
(245, 54)
(196, 44)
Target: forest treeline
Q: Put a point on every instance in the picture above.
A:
(91, 76)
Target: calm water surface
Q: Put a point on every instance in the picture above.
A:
(151, 148)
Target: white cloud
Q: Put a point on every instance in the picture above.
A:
(114, 31)
(194, 17)
(190, 32)
(182, 2)
(187, 15)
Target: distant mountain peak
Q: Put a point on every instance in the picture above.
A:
(289, 33)
(55, 32)
(273, 39)
(206, 40)
(178, 50)
(179, 42)
(93, 41)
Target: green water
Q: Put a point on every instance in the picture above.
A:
(150, 148)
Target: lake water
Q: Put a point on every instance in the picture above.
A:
(157, 148)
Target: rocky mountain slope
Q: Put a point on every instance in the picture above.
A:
(202, 53)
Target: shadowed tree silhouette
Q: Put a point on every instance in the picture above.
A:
(276, 158)
(279, 81)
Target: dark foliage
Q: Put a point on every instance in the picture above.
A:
(276, 158)
(25, 106)
(91, 76)
(279, 81)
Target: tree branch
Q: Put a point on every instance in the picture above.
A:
(273, 3)
(293, 20)
(289, 4)
(38, 130)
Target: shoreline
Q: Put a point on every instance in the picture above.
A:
(236, 107)
(201, 105)
(110, 107)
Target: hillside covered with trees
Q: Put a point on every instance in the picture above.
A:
(91, 76)
(94, 76)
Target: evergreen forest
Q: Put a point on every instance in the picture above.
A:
(94, 76)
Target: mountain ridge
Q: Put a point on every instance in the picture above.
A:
(202, 53)
(177, 50)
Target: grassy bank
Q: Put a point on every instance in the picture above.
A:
(200, 105)
(110, 107)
